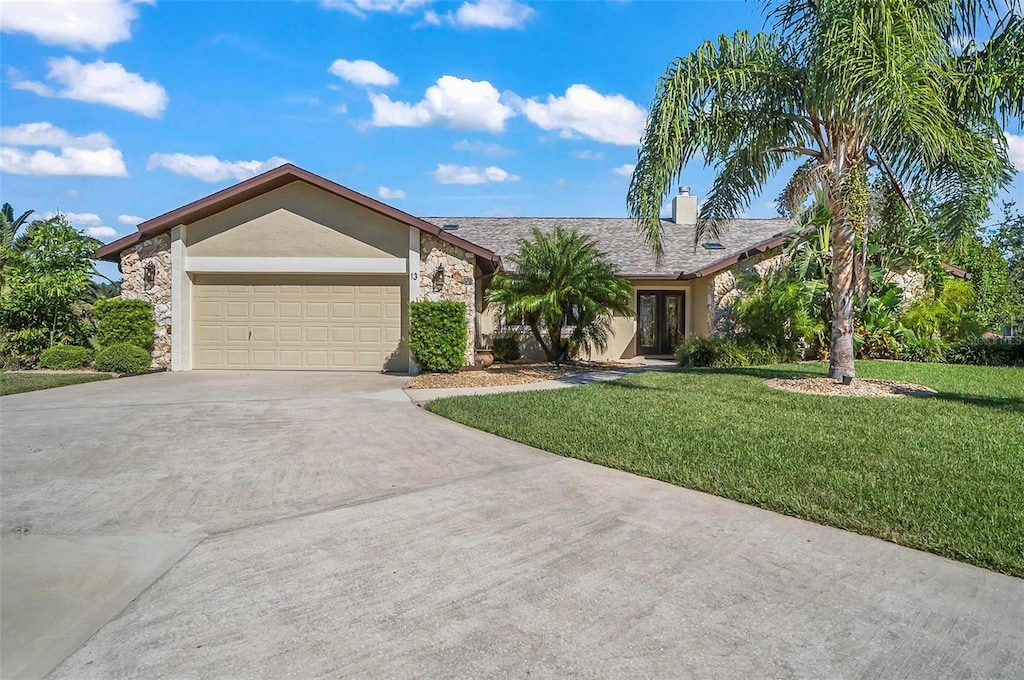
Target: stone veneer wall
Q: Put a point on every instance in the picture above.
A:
(133, 285)
(459, 280)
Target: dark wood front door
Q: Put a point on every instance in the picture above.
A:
(660, 321)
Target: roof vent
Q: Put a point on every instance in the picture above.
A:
(712, 245)
(449, 227)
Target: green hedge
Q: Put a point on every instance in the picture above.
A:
(982, 352)
(437, 335)
(64, 357)
(506, 348)
(127, 321)
(715, 352)
(123, 358)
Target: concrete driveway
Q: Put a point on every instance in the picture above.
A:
(216, 524)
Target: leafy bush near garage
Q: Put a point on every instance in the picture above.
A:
(437, 335)
(127, 321)
(123, 358)
(64, 357)
(506, 348)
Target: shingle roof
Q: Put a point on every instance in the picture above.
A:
(626, 249)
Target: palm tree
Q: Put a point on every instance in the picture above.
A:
(559, 280)
(9, 239)
(846, 90)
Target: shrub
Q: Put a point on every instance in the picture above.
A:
(923, 349)
(980, 352)
(123, 358)
(63, 357)
(713, 352)
(774, 312)
(124, 321)
(506, 348)
(437, 335)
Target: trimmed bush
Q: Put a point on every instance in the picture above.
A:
(123, 358)
(128, 321)
(506, 348)
(713, 352)
(64, 357)
(437, 335)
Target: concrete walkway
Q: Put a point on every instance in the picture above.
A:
(423, 396)
(319, 525)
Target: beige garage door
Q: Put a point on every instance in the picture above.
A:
(298, 323)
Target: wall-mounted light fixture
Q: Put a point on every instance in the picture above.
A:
(439, 279)
(149, 275)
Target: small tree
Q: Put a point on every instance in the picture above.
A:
(45, 280)
(559, 280)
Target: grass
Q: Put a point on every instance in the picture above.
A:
(943, 474)
(13, 383)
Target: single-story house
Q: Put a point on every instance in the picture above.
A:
(289, 270)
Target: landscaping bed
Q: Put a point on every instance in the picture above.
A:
(941, 473)
(516, 373)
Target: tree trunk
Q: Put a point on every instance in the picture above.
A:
(840, 361)
(540, 341)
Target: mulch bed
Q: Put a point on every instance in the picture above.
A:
(859, 388)
(506, 374)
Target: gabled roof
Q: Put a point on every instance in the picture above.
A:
(626, 249)
(274, 179)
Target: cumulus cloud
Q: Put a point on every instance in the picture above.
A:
(1015, 147)
(361, 8)
(390, 194)
(491, 14)
(130, 220)
(453, 102)
(101, 232)
(612, 118)
(625, 170)
(79, 220)
(363, 72)
(469, 174)
(71, 23)
(589, 155)
(483, 148)
(99, 82)
(211, 168)
(80, 155)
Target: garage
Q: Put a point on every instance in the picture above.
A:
(298, 322)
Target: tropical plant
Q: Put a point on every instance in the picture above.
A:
(45, 284)
(880, 333)
(564, 289)
(10, 240)
(775, 312)
(850, 89)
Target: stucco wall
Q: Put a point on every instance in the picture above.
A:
(297, 220)
(155, 251)
(458, 283)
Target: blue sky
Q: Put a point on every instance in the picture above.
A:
(116, 110)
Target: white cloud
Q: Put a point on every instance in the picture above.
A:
(588, 155)
(101, 232)
(389, 194)
(88, 155)
(612, 119)
(491, 14)
(47, 134)
(341, 108)
(130, 220)
(361, 8)
(561, 183)
(99, 82)
(468, 174)
(79, 220)
(1015, 148)
(211, 168)
(363, 72)
(71, 23)
(453, 102)
(625, 170)
(483, 148)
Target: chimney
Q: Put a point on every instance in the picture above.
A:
(684, 207)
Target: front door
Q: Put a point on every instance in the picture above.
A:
(659, 321)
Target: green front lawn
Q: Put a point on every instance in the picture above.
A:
(13, 383)
(943, 474)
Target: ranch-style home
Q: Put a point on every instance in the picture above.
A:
(289, 270)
